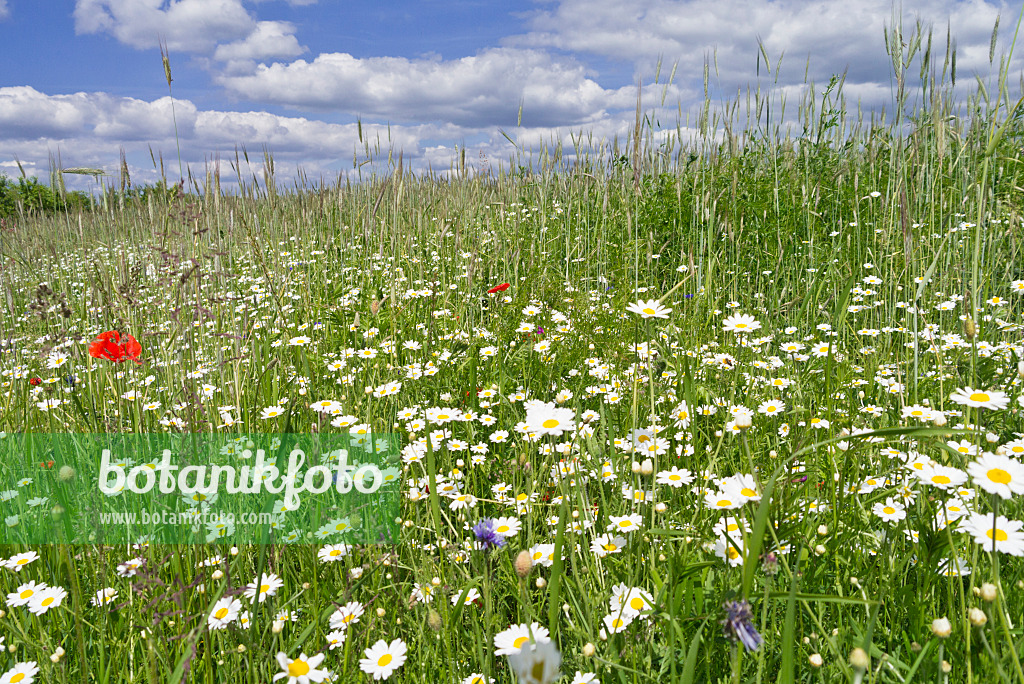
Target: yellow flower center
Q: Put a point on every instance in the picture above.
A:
(610, 547)
(637, 603)
(47, 601)
(979, 396)
(264, 588)
(747, 491)
(221, 614)
(649, 311)
(941, 479)
(297, 668)
(888, 510)
(385, 660)
(1000, 534)
(26, 594)
(17, 678)
(999, 476)
(722, 503)
(550, 423)
(335, 552)
(625, 523)
(520, 641)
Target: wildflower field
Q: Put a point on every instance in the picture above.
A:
(742, 407)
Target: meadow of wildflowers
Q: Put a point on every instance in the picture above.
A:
(745, 408)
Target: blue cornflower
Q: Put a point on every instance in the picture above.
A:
(486, 536)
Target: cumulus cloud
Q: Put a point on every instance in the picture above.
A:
(269, 40)
(838, 35)
(484, 89)
(5, 11)
(224, 27)
(89, 129)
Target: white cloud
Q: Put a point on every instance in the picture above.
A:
(485, 89)
(838, 35)
(269, 40)
(188, 26)
(5, 11)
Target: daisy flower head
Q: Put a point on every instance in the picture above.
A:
(25, 593)
(548, 419)
(333, 552)
(302, 670)
(537, 665)
(46, 599)
(18, 562)
(625, 523)
(224, 612)
(382, 659)
(650, 308)
(21, 673)
(999, 475)
(607, 544)
(740, 323)
(990, 399)
(890, 510)
(1003, 535)
(515, 637)
(104, 597)
(268, 586)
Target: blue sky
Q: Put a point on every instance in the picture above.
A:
(295, 75)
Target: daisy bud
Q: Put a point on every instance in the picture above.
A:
(855, 582)
(589, 649)
(355, 573)
(819, 550)
(647, 467)
(860, 394)
(822, 530)
(436, 581)
(240, 648)
(718, 433)
(234, 551)
(939, 420)
(991, 437)
(59, 652)
(977, 617)
(743, 421)
(635, 468)
(277, 627)
(217, 574)
(305, 586)
(946, 667)
(941, 627)
(989, 592)
(380, 612)
(1020, 369)
(816, 660)
(773, 454)
(54, 658)
(860, 659)
(660, 507)
(523, 563)
(541, 583)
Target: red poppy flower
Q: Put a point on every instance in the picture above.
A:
(35, 381)
(113, 347)
(499, 288)
(46, 464)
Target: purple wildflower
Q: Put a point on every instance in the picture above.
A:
(738, 626)
(486, 536)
